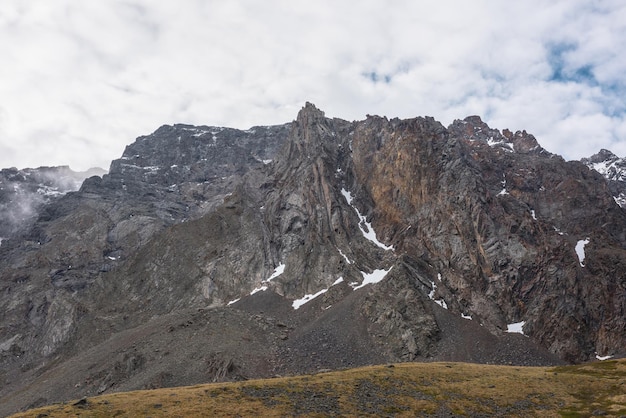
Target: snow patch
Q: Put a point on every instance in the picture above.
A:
(344, 256)
(233, 301)
(580, 251)
(620, 200)
(504, 191)
(371, 278)
(307, 298)
(258, 289)
(431, 294)
(602, 358)
(532, 213)
(466, 316)
(368, 233)
(602, 167)
(441, 303)
(277, 272)
(515, 328)
(198, 131)
(339, 280)
(49, 191)
(500, 143)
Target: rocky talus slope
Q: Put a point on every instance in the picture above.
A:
(217, 254)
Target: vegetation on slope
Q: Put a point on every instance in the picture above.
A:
(408, 389)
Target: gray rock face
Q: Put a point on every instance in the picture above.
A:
(321, 243)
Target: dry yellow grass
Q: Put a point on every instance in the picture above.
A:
(408, 389)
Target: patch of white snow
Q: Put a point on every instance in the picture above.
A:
(233, 301)
(500, 143)
(466, 316)
(344, 256)
(369, 234)
(339, 280)
(580, 250)
(277, 272)
(503, 191)
(532, 213)
(307, 298)
(373, 277)
(602, 167)
(441, 303)
(431, 294)
(516, 328)
(258, 289)
(602, 358)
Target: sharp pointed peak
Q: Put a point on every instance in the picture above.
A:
(310, 112)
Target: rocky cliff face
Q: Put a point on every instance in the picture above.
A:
(317, 244)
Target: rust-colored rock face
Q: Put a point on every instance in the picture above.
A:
(499, 218)
(317, 244)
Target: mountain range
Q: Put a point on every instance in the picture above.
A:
(210, 254)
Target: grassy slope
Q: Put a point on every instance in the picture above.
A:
(403, 389)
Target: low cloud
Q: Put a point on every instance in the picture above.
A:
(23, 192)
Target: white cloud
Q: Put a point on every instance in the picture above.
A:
(86, 78)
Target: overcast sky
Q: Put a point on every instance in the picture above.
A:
(81, 79)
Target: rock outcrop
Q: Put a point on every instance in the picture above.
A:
(317, 244)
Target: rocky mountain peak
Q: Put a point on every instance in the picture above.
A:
(604, 155)
(309, 114)
(473, 129)
(613, 169)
